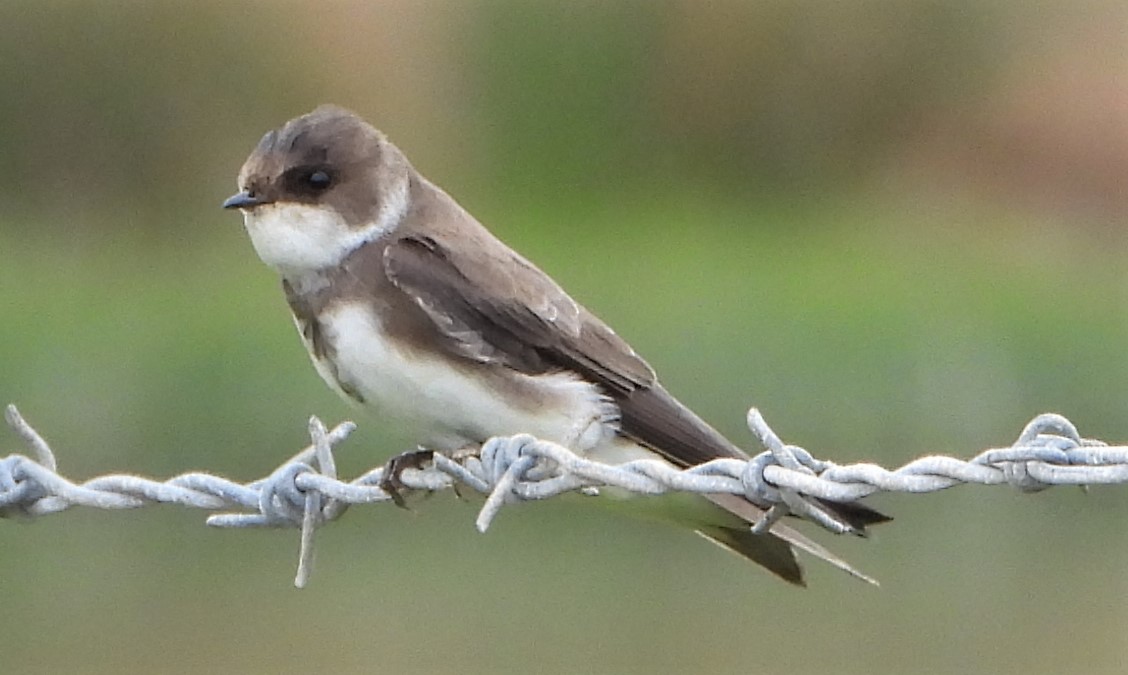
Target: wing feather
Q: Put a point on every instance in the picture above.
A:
(504, 310)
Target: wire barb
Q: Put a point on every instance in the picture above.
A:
(305, 492)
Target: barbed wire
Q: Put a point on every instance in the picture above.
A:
(305, 492)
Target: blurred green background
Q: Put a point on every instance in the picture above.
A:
(896, 227)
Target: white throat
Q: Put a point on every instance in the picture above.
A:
(299, 239)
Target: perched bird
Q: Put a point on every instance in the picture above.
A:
(410, 307)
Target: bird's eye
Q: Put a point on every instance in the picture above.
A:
(319, 180)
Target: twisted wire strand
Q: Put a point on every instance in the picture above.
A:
(305, 492)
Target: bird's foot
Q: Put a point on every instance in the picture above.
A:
(391, 483)
(462, 455)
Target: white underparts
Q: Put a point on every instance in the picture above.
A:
(452, 407)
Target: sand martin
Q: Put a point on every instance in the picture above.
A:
(412, 308)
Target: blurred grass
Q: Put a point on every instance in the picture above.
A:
(862, 334)
(769, 200)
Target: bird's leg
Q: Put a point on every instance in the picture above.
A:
(461, 455)
(391, 483)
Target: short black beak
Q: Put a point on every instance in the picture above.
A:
(243, 200)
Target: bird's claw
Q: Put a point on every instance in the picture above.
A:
(391, 483)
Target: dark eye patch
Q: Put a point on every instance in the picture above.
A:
(308, 181)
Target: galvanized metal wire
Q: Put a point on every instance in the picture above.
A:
(305, 492)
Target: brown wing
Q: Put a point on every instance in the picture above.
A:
(496, 307)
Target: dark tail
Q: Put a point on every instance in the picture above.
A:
(657, 420)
